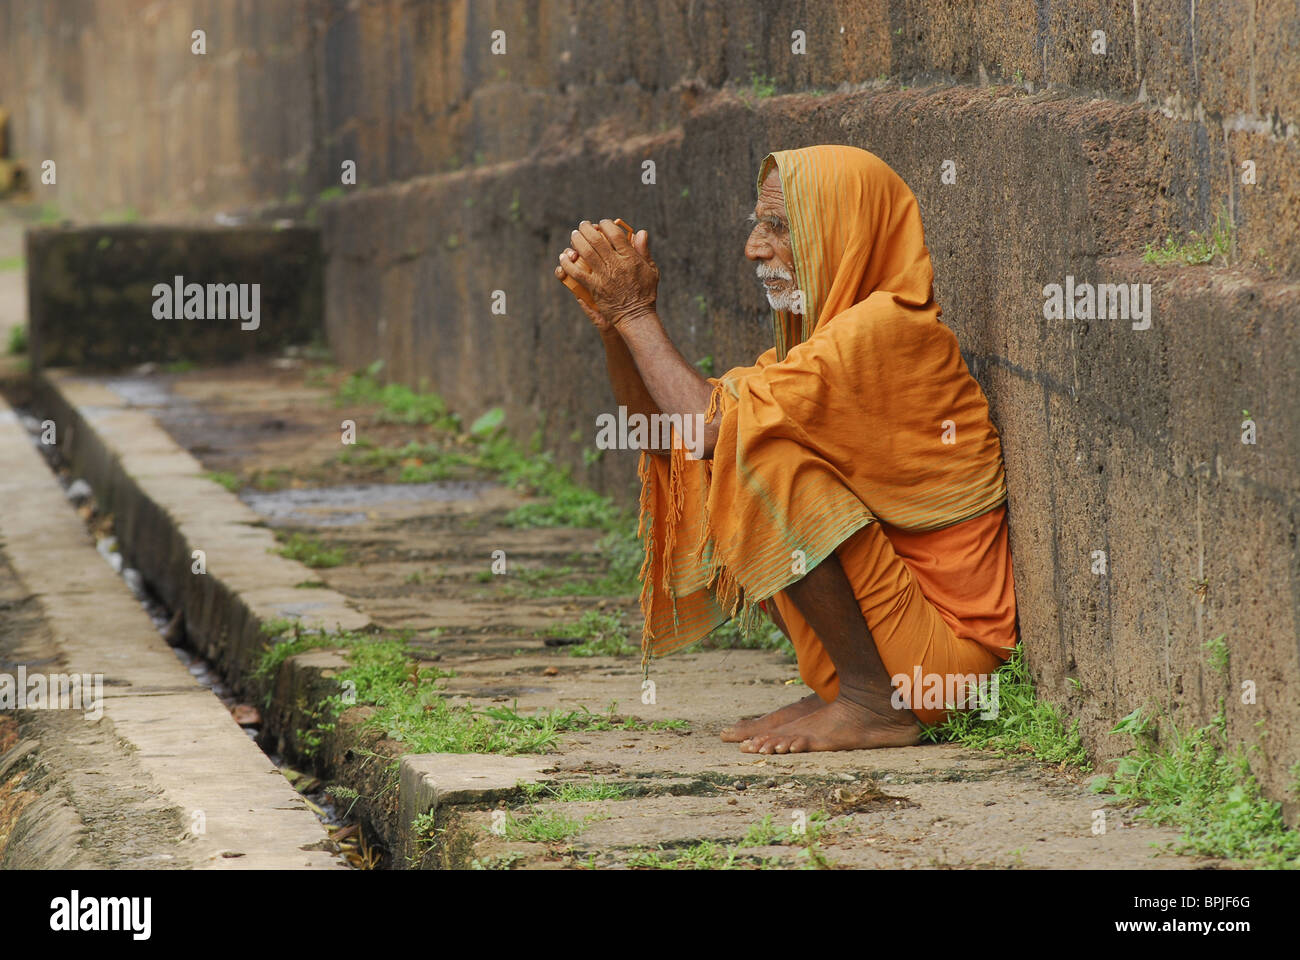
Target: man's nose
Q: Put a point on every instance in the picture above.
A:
(757, 248)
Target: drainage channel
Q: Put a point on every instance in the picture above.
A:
(347, 836)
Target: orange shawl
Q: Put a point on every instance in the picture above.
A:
(863, 409)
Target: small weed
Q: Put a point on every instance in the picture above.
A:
(271, 480)
(603, 635)
(545, 827)
(764, 635)
(1024, 723)
(574, 792)
(1198, 782)
(227, 480)
(581, 719)
(1216, 654)
(706, 855)
(1198, 248)
(398, 403)
(311, 553)
(762, 86)
(762, 834)
(17, 340)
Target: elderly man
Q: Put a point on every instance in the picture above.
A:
(851, 484)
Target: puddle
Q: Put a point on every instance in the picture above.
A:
(141, 391)
(348, 505)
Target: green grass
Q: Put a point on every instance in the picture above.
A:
(311, 553)
(484, 447)
(17, 340)
(581, 719)
(398, 403)
(710, 855)
(180, 366)
(765, 635)
(1197, 248)
(408, 705)
(602, 634)
(1024, 724)
(762, 86)
(272, 480)
(765, 833)
(575, 792)
(228, 480)
(11, 263)
(706, 855)
(762, 834)
(547, 826)
(1216, 654)
(1196, 781)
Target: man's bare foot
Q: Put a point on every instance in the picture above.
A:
(770, 721)
(840, 725)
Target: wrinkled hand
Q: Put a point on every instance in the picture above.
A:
(621, 276)
(598, 319)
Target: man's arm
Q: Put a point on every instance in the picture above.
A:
(624, 378)
(623, 281)
(674, 384)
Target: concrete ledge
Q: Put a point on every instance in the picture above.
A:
(181, 735)
(164, 509)
(432, 783)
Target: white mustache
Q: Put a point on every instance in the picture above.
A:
(771, 271)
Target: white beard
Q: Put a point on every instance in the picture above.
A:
(780, 300)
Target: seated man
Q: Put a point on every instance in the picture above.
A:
(851, 483)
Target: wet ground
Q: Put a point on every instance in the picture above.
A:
(419, 557)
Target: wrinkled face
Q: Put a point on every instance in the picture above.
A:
(769, 244)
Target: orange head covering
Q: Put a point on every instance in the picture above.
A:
(863, 409)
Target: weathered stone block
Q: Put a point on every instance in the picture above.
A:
(112, 296)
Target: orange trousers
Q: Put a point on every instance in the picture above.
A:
(915, 641)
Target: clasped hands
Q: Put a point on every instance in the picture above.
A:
(618, 274)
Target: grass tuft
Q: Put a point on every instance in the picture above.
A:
(1024, 724)
(312, 553)
(228, 480)
(1197, 248)
(1198, 782)
(602, 635)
